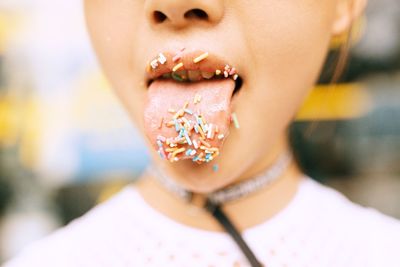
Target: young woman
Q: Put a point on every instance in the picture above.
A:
(213, 86)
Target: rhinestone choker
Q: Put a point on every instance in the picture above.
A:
(232, 192)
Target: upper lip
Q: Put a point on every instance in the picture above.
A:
(210, 64)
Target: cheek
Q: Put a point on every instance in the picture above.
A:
(287, 42)
(112, 27)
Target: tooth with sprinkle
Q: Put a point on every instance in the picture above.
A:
(207, 75)
(194, 75)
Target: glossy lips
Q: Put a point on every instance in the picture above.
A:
(193, 66)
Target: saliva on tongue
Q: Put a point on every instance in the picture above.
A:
(188, 120)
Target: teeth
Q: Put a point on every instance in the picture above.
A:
(191, 75)
(180, 76)
(183, 74)
(194, 75)
(207, 75)
(167, 76)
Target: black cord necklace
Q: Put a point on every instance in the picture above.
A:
(219, 215)
(230, 193)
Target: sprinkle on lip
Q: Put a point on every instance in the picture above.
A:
(176, 77)
(154, 64)
(177, 67)
(162, 59)
(201, 57)
(178, 55)
(178, 151)
(161, 138)
(195, 144)
(179, 113)
(161, 123)
(205, 143)
(187, 138)
(182, 73)
(197, 99)
(190, 142)
(211, 132)
(188, 111)
(161, 152)
(193, 131)
(203, 136)
(159, 143)
(170, 123)
(235, 120)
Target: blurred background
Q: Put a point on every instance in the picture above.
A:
(66, 144)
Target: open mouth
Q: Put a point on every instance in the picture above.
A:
(189, 108)
(191, 68)
(191, 76)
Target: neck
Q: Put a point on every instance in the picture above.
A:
(244, 212)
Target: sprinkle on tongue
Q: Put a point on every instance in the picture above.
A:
(188, 120)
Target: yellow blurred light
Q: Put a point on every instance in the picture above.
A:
(9, 26)
(10, 121)
(335, 102)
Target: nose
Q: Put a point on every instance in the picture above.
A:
(181, 13)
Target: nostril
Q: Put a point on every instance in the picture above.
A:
(196, 14)
(159, 17)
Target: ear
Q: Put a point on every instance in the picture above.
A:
(347, 11)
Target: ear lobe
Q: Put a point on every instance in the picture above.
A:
(347, 11)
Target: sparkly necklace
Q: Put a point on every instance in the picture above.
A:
(232, 192)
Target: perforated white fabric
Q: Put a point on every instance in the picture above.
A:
(319, 228)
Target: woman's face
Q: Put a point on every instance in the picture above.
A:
(278, 47)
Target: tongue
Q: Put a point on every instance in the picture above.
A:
(173, 118)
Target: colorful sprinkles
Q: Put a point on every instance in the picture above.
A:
(215, 167)
(197, 99)
(179, 55)
(186, 144)
(161, 123)
(201, 57)
(235, 120)
(194, 134)
(177, 66)
(154, 63)
(181, 74)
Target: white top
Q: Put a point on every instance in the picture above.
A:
(319, 227)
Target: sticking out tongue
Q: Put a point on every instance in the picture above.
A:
(188, 120)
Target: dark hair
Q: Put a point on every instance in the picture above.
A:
(300, 133)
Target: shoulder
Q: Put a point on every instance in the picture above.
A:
(373, 234)
(341, 208)
(87, 237)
